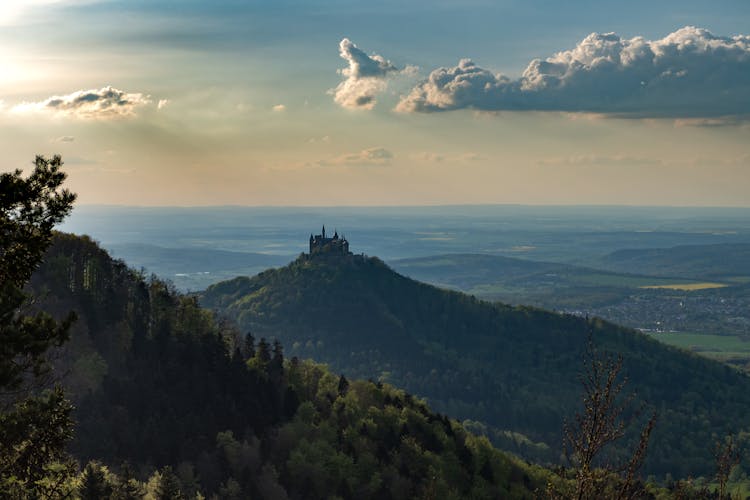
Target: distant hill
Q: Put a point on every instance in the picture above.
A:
(522, 281)
(722, 261)
(466, 271)
(714, 305)
(193, 268)
(514, 369)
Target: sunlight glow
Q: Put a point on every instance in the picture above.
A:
(12, 10)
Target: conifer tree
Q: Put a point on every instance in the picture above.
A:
(127, 486)
(169, 486)
(248, 347)
(264, 351)
(94, 483)
(34, 425)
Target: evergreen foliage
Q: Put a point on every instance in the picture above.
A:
(169, 486)
(126, 486)
(94, 483)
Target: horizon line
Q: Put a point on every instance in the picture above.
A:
(407, 206)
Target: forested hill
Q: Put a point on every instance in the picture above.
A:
(722, 261)
(514, 369)
(192, 406)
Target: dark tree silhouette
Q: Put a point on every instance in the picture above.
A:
(94, 484)
(727, 456)
(169, 486)
(605, 418)
(34, 425)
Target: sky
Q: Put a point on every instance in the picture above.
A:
(340, 103)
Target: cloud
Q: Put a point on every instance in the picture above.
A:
(162, 103)
(364, 78)
(713, 122)
(279, 108)
(104, 103)
(431, 157)
(65, 138)
(325, 139)
(427, 156)
(471, 156)
(371, 156)
(602, 160)
(687, 74)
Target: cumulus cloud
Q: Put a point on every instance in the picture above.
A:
(371, 156)
(688, 73)
(364, 78)
(107, 102)
(279, 108)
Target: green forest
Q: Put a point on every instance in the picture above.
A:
(114, 385)
(511, 372)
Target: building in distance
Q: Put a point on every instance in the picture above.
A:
(321, 244)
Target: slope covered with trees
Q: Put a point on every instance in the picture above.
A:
(726, 261)
(512, 371)
(168, 399)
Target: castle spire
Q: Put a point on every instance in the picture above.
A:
(324, 231)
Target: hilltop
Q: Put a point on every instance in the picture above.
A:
(512, 369)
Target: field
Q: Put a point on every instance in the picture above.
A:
(727, 348)
(688, 287)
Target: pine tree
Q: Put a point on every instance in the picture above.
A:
(127, 486)
(248, 347)
(35, 425)
(264, 351)
(94, 483)
(169, 486)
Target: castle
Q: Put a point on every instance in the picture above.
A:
(321, 244)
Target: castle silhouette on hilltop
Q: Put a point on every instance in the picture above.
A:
(321, 244)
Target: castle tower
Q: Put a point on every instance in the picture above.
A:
(322, 244)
